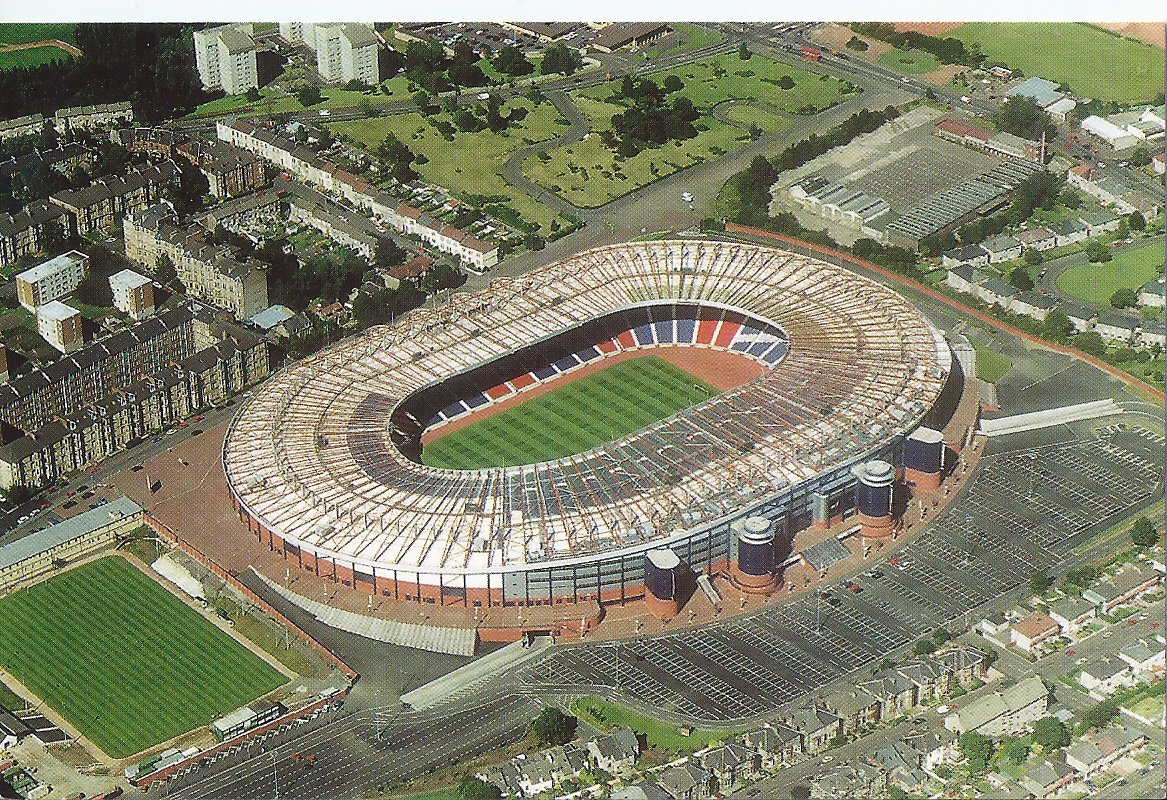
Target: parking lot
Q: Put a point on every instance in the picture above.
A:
(1026, 509)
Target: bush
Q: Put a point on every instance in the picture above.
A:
(1019, 277)
(1097, 252)
(924, 646)
(1143, 533)
(552, 727)
(473, 788)
(857, 44)
(1033, 257)
(1097, 716)
(308, 95)
(1049, 732)
(1123, 298)
(1040, 581)
(1090, 342)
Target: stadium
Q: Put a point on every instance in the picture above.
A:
(798, 372)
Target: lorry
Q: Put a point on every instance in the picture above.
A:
(811, 54)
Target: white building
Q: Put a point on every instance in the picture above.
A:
(344, 51)
(132, 293)
(60, 325)
(51, 280)
(1009, 711)
(1113, 135)
(226, 58)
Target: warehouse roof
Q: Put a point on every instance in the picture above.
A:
(67, 530)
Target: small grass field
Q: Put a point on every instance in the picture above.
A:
(913, 62)
(746, 116)
(32, 57)
(1094, 62)
(603, 715)
(586, 413)
(126, 662)
(29, 32)
(991, 365)
(471, 163)
(1095, 283)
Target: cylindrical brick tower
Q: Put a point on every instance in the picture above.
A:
(923, 460)
(876, 481)
(661, 567)
(753, 572)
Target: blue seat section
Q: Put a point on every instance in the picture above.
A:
(587, 355)
(643, 334)
(565, 363)
(543, 373)
(435, 419)
(776, 353)
(452, 410)
(685, 328)
(664, 331)
(476, 400)
(759, 347)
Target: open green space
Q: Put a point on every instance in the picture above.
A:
(472, 162)
(753, 115)
(991, 365)
(693, 37)
(29, 32)
(33, 57)
(1095, 283)
(913, 62)
(275, 102)
(1093, 62)
(603, 715)
(126, 662)
(588, 412)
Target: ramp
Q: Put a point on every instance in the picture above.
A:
(1050, 417)
(466, 677)
(452, 641)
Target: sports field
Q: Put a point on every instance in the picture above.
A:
(1094, 62)
(123, 660)
(583, 414)
(1095, 283)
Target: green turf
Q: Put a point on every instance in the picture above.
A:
(34, 57)
(604, 715)
(1095, 63)
(29, 32)
(1095, 283)
(753, 115)
(123, 660)
(913, 62)
(583, 414)
(991, 365)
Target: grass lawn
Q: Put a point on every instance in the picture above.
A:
(470, 164)
(991, 365)
(1095, 283)
(604, 715)
(588, 174)
(28, 32)
(1148, 707)
(913, 62)
(583, 414)
(122, 659)
(693, 37)
(1094, 62)
(333, 98)
(752, 115)
(33, 57)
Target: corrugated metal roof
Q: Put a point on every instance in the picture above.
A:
(64, 531)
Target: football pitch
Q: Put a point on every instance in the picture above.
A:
(123, 660)
(586, 413)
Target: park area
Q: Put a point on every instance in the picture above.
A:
(593, 410)
(913, 62)
(603, 715)
(1093, 62)
(470, 164)
(123, 660)
(30, 44)
(1095, 283)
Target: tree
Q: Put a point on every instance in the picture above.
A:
(308, 95)
(253, 95)
(553, 727)
(924, 646)
(1136, 221)
(786, 82)
(398, 157)
(1123, 298)
(1083, 576)
(1017, 749)
(1071, 197)
(1023, 117)
(1143, 533)
(534, 242)
(511, 61)
(1097, 715)
(1049, 732)
(743, 52)
(388, 254)
(1040, 580)
(672, 83)
(560, 58)
(474, 788)
(857, 44)
(1090, 342)
(1097, 252)
(1057, 326)
(977, 748)
(164, 270)
(1019, 277)
(535, 95)
(1033, 257)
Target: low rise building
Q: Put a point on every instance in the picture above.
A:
(971, 255)
(615, 750)
(1100, 222)
(1117, 327)
(856, 707)
(1151, 293)
(97, 116)
(1072, 613)
(1102, 677)
(1002, 248)
(1081, 316)
(997, 292)
(1037, 239)
(1003, 712)
(52, 279)
(628, 34)
(1047, 778)
(687, 781)
(351, 230)
(1159, 163)
(133, 294)
(817, 725)
(1130, 582)
(1028, 633)
(1152, 333)
(246, 213)
(21, 126)
(61, 326)
(1115, 136)
(1144, 657)
(1068, 231)
(776, 744)
(1033, 305)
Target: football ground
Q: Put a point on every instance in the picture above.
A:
(123, 660)
(583, 414)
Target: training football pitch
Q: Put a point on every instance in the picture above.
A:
(586, 413)
(126, 662)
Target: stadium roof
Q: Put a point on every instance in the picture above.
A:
(310, 456)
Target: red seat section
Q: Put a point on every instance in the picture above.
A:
(497, 392)
(626, 340)
(726, 333)
(705, 330)
(607, 346)
(523, 381)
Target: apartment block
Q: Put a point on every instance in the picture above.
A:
(61, 326)
(209, 273)
(133, 294)
(225, 57)
(98, 206)
(52, 279)
(27, 231)
(344, 51)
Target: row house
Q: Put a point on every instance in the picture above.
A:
(1153, 333)
(1099, 751)
(776, 745)
(97, 116)
(1047, 778)
(997, 292)
(687, 781)
(246, 213)
(894, 692)
(999, 713)
(209, 273)
(971, 255)
(1072, 613)
(21, 126)
(1102, 677)
(1002, 248)
(98, 206)
(96, 371)
(1033, 305)
(1039, 239)
(731, 764)
(29, 231)
(1081, 316)
(1130, 582)
(305, 164)
(229, 170)
(352, 231)
(1117, 327)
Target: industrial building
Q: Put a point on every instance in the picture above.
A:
(225, 57)
(318, 481)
